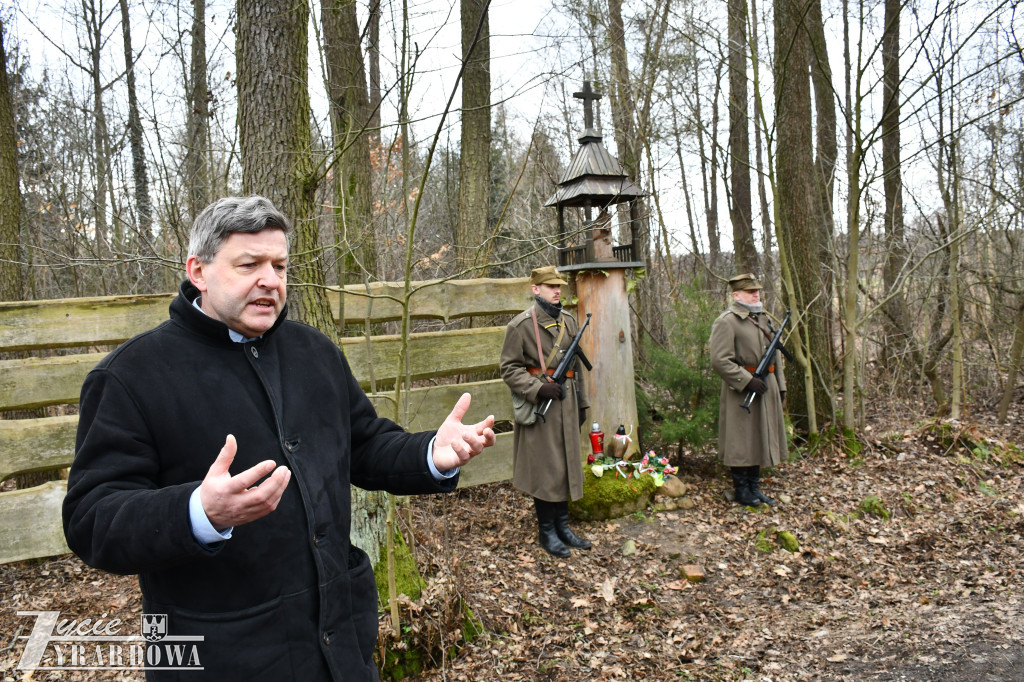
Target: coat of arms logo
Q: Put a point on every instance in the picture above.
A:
(154, 626)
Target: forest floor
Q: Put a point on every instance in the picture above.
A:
(909, 568)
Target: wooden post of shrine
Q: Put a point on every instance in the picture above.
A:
(608, 341)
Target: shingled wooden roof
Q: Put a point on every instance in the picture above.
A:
(594, 177)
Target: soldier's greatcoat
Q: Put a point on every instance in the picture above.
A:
(758, 438)
(546, 456)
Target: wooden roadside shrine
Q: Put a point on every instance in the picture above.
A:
(598, 269)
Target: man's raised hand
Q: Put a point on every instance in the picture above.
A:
(233, 500)
(456, 443)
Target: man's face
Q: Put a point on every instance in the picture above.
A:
(748, 296)
(244, 285)
(552, 293)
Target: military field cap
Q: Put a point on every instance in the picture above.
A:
(744, 282)
(546, 275)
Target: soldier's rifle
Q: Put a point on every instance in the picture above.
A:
(561, 372)
(767, 361)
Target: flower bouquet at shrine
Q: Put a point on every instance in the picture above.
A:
(657, 467)
(618, 486)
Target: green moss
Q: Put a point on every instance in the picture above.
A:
(402, 659)
(852, 446)
(611, 496)
(408, 580)
(472, 627)
(874, 506)
(401, 663)
(787, 541)
(766, 541)
(844, 519)
(762, 544)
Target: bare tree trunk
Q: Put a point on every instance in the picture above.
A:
(275, 139)
(142, 201)
(197, 169)
(948, 172)
(709, 175)
(94, 30)
(349, 105)
(850, 310)
(740, 210)
(799, 209)
(472, 228)
(767, 262)
(11, 275)
(635, 229)
(825, 167)
(1014, 365)
(620, 96)
(892, 181)
(677, 136)
(373, 56)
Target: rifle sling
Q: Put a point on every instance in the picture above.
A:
(758, 325)
(536, 335)
(540, 354)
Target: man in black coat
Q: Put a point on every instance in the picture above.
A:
(214, 457)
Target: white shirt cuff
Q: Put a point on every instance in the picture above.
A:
(438, 475)
(202, 529)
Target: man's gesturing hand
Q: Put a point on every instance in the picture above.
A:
(456, 443)
(233, 500)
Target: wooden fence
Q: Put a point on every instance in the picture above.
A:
(69, 332)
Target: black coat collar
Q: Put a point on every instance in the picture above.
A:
(183, 312)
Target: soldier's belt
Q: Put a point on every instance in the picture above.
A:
(752, 369)
(568, 375)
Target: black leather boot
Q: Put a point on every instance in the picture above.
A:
(565, 533)
(755, 486)
(547, 536)
(741, 484)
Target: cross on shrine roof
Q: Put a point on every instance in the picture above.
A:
(588, 96)
(594, 177)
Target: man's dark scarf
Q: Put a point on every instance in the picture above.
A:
(552, 309)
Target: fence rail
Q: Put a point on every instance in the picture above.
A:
(30, 519)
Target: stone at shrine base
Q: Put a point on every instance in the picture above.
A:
(694, 573)
(611, 496)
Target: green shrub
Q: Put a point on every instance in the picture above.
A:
(678, 393)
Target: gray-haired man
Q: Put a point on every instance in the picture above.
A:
(214, 457)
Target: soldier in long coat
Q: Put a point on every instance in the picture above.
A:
(546, 454)
(747, 441)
